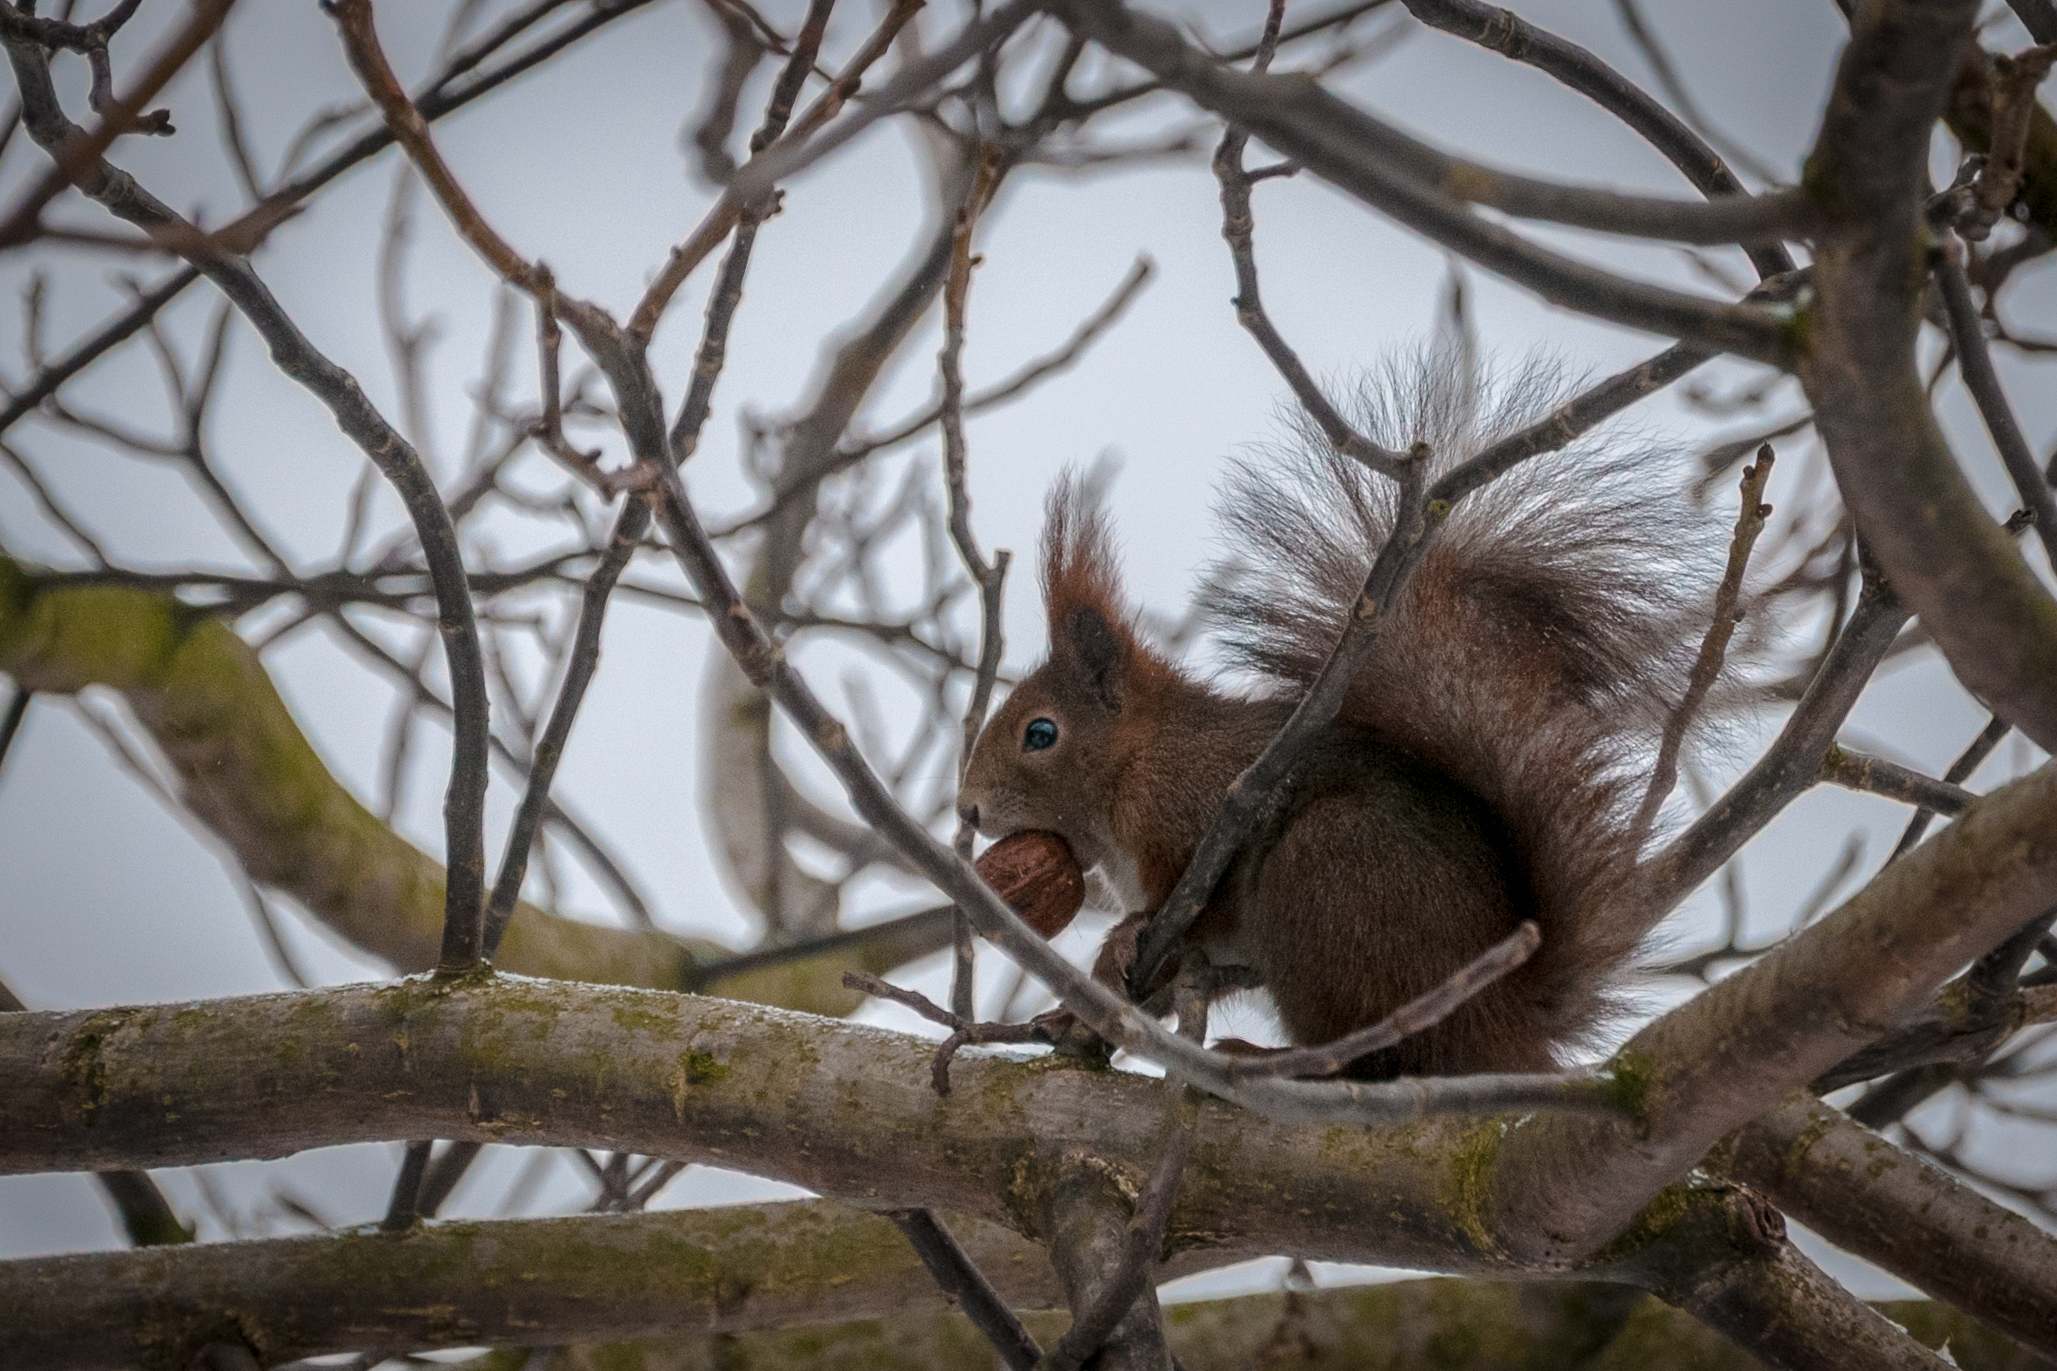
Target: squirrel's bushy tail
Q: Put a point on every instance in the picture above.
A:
(1535, 654)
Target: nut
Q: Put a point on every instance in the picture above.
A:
(1036, 874)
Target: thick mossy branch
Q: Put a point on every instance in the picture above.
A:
(726, 1287)
(1445, 1324)
(493, 1283)
(841, 1109)
(250, 774)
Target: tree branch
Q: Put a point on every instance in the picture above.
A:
(1507, 33)
(77, 151)
(360, 420)
(813, 1101)
(1250, 794)
(1793, 761)
(1854, 770)
(1888, 1206)
(1750, 517)
(1732, 1052)
(1432, 193)
(810, 1101)
(1995, 623)
(1238, 227)
(1975, 362)
(956, 1272)
(671, 1285)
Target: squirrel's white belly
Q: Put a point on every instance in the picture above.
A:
(1123, 882)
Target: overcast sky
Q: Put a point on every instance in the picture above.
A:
(106, 897)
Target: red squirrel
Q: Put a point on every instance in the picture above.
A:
(1482, 770)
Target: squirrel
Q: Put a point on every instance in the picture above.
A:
(1481, 771)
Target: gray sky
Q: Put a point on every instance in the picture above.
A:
(106, 897)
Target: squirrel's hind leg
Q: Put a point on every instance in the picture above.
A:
(1368, 899)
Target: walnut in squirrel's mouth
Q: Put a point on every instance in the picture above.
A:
(1036, 873)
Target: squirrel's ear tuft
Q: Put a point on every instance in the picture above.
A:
(1099, 650)
(1089, 625)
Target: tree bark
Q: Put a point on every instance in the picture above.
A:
(797, 1285)
(844, 1110)
(1564, 1185)
(1891, 1207)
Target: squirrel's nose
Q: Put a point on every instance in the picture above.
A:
(968, 812)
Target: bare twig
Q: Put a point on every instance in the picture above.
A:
(1089, 330)
(1515, 38)
(1433, 194)
(404, 1209)
(766, 145)
(51, 378)
(443, 96)
(1967, 761)
(962, 1281)
(146, 1215)
(582, 660)
(964, 1032)
(1793, 761)
(1975, 361)
(1423, 1012)
(907, 85)
(549, 426)
(79, 154)
(2013, 109)
(741, 51)
(989, 577)
(411, 131)
(1855, 770)
(750, 216)
(387, 449)
(262, 915)
(18, 702)
(1238, 228)
(2039, 17)
(889, 941)
(230, 114)
(1967, 1022)
(1713, 653)
(1673, 85)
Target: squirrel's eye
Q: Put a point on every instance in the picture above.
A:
(1039, 734)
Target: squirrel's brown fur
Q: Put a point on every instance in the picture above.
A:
(1479, 772)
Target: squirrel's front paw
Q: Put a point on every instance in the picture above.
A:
(1118, 950)
(1069, 1035)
